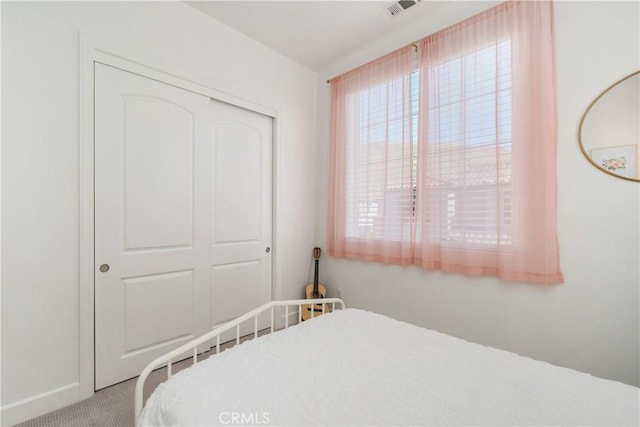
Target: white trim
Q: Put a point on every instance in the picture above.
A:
(275, 130)
(90, 51)
(85, 201)
(276, 291)
(167, 73)
(39, 404)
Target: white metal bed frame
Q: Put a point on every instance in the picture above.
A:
(192, 346)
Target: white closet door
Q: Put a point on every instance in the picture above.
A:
(241, 212)
(152, 220)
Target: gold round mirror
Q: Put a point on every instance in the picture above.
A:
(609, 131)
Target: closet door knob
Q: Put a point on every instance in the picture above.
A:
(104, 268)
(268, 249)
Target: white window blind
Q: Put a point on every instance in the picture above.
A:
(468, 114)
(467, 155)
(382, 160)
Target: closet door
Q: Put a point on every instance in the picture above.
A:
(152, 220)
(241, 200)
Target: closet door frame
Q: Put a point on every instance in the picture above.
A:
(92, 50)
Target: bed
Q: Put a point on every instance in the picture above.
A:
(353, 367)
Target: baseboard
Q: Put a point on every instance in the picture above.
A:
(40, 404)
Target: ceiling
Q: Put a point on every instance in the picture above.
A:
(314, 33)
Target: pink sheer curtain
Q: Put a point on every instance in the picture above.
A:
(465, 180)
(488, 142)
(372, 153)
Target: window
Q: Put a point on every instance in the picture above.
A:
(468, 149)
(446, 157)
(383, 159)
(469, 132)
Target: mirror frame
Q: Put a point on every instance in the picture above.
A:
(584, 116)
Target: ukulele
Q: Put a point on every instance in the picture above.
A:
(314, 291)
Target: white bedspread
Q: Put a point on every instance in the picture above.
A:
(359, 368)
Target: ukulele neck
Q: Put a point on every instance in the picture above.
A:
(315, 279)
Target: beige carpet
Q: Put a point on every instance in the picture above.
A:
(112, 406)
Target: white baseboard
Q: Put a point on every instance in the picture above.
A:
(25, 409)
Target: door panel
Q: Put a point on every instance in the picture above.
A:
(237, 288)
(146, 325)
(152, 220)
(241, 211)
(158, 157)
(238, 198)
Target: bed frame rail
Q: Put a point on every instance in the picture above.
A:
(192, 346)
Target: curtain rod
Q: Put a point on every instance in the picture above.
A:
(414, 44)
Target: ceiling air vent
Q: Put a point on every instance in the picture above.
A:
(400, 6)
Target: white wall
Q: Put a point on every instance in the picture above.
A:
(40, 246)
(591, 322)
